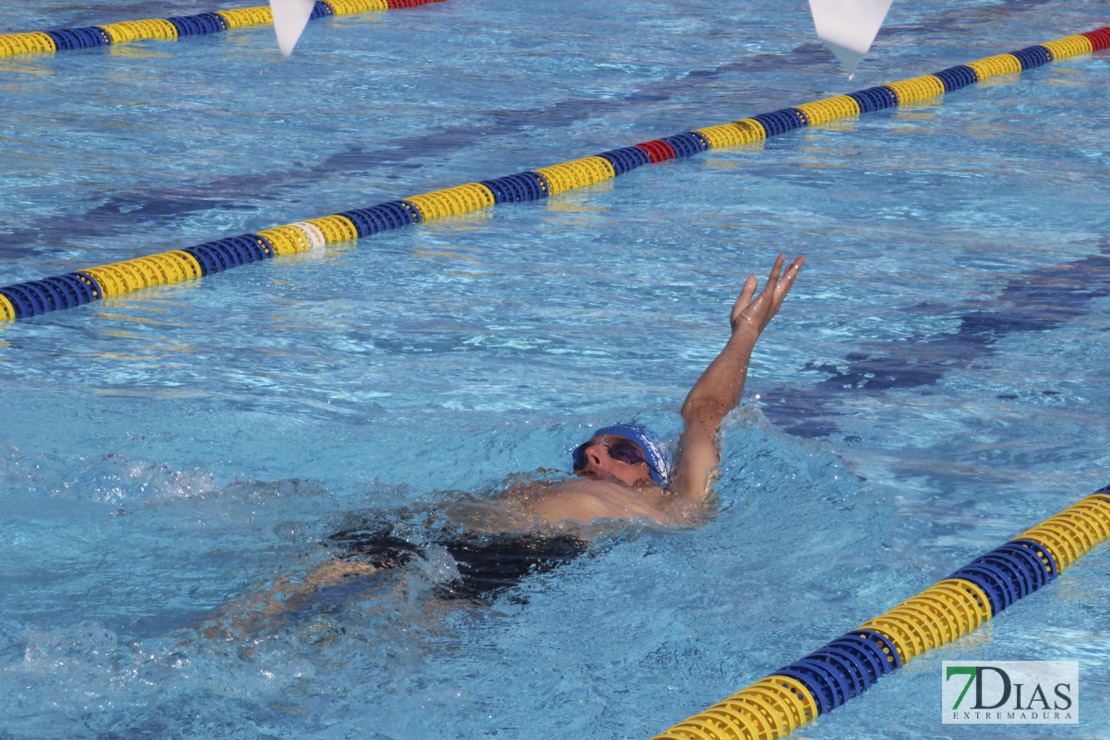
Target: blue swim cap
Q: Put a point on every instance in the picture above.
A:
(653, 449)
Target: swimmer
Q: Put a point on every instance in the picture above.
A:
(620, 473)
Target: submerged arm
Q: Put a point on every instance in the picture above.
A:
(718, 390)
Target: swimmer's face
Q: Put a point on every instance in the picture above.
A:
(607, 458)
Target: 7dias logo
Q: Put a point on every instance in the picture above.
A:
(1010, 693)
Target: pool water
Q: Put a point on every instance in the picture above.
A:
(935, 384)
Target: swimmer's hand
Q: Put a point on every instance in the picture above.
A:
(753, 315)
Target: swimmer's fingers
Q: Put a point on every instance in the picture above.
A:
(787, 281)
(776, 271)
(757, 313)
(777, 288)
(745, 308)
(743, 301)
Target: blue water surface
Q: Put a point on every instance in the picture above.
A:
(935, 384)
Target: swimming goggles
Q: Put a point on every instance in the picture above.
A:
(621, 451)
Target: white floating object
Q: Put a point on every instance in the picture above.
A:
(290, 18)
(312, 235)
(848, 27)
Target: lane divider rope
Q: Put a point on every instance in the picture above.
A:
(846, 667)
(66, 39)
(22, 300)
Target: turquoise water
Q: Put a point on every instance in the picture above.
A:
(935, 384)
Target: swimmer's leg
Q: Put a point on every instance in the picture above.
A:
(335, 572)
(368, 550)
(266, 605)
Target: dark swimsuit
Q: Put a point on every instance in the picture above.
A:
(488, 562)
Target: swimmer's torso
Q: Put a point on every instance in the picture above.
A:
(531, 525)
(583, 500)
(549, 501)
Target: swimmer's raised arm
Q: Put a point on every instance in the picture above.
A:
(719, 388)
